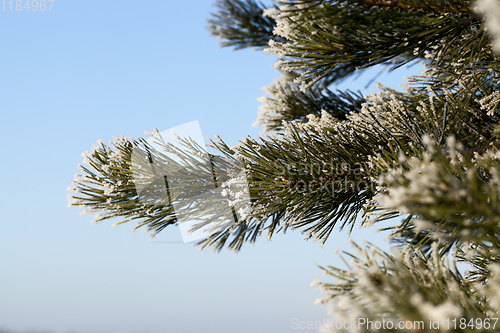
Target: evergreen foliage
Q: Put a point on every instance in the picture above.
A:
(429, 154)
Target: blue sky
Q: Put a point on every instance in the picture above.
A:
(90, 70)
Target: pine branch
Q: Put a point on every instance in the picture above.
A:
(324, 34)
(241, 24)
(459, 7)
(454, 201)
(412, 289)
(287, 103)
(294, 179)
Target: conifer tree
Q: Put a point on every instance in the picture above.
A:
(334, 159)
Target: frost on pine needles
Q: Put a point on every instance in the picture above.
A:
(491, 10)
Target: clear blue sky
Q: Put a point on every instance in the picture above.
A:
(90, 70)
